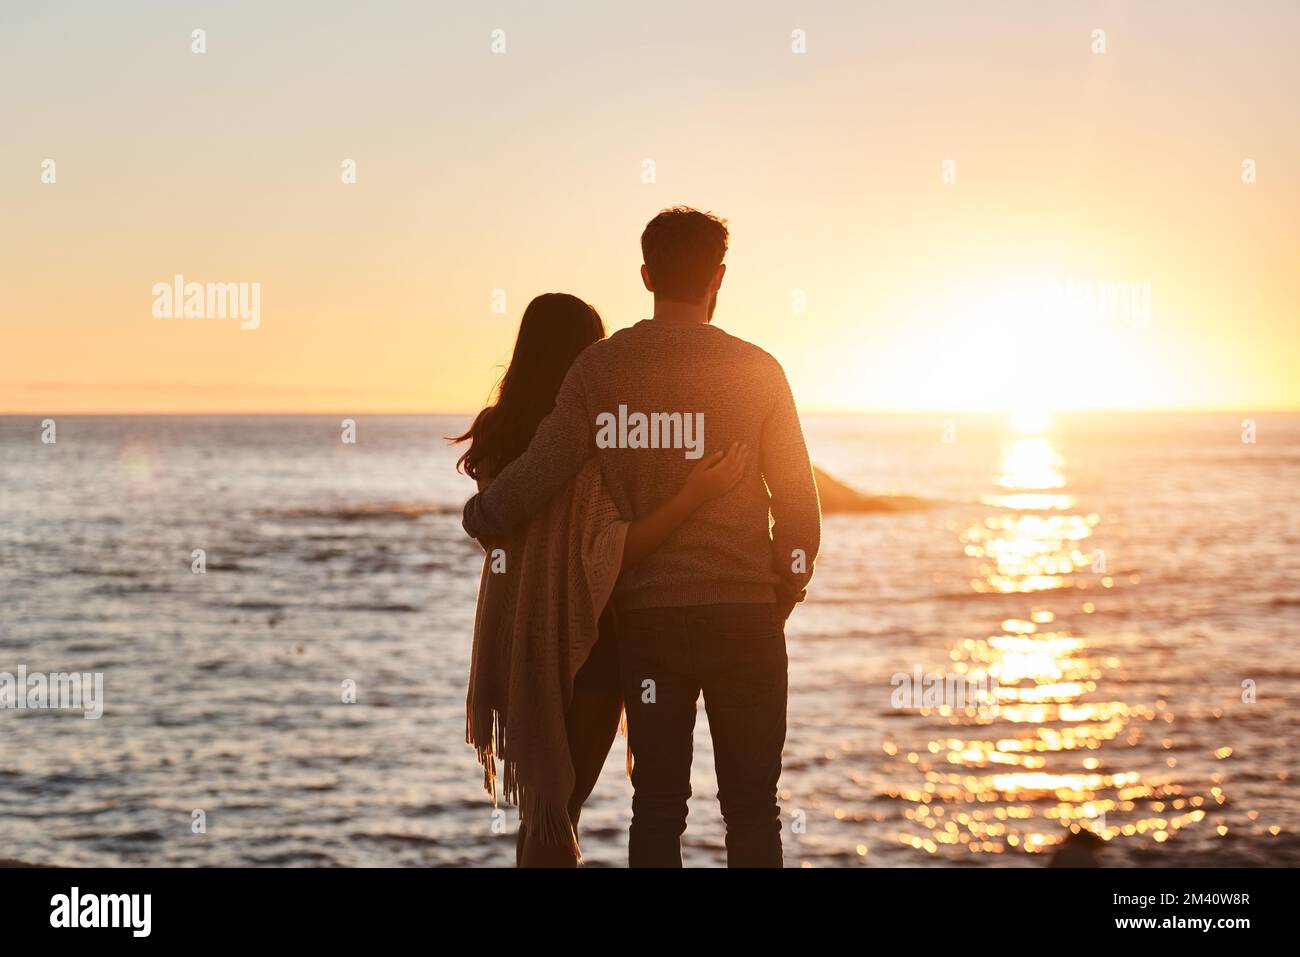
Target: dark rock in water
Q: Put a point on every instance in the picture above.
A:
(836, 497)
(1079, 849)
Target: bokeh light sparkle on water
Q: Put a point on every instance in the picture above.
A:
(1049, 752)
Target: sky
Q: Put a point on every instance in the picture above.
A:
(936, 206)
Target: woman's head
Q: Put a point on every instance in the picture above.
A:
(554, 329)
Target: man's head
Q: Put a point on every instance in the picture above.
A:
(682, 250)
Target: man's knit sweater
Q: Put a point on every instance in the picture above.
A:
(727, 551)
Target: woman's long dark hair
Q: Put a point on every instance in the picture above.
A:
(554, 329)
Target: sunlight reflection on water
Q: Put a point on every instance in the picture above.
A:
(1048, 752)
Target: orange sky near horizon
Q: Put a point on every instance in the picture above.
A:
(1096, 247)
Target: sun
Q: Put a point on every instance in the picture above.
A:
(1025, 347)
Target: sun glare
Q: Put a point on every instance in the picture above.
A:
(1025, 346)
(1029, 421)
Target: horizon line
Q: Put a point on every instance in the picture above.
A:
(158, 413)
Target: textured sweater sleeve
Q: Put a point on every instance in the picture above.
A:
(796, 512)
(562, 443)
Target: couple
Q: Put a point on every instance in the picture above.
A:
(625, 489)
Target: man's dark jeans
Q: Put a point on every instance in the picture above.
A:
(735, 655)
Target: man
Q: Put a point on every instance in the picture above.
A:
(706, 612)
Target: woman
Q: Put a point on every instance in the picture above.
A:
(543, 690)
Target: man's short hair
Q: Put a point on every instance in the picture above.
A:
(682, 248)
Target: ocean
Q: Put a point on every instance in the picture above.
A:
(1131, 581)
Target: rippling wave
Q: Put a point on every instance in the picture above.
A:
(1128, 584)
